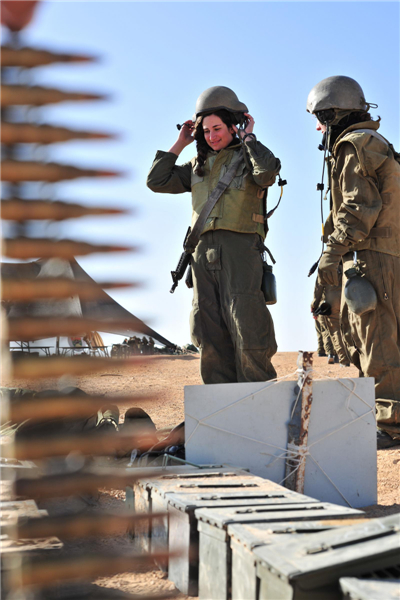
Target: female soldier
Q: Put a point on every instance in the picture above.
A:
(364, 219)
(230, 322)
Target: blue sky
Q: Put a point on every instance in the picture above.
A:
(156, 58)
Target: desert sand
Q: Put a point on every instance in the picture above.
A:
(162, 379)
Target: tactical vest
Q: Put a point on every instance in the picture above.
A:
(240, 207)
(378, 163)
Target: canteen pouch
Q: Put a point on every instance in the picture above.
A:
(268, 284)
(189, 278)
(359, 293)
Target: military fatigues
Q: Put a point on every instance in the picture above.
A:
(230, 322)
(322, 350)
(325, 345)
(332, 296)
(365, 216)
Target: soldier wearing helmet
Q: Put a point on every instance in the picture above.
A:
(230, 322)
(364, 176)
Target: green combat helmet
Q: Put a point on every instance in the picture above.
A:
(218, 97)
(335, 97)
(337, 92)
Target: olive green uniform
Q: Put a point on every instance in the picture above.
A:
(320, 338)
(325, 345)
(365, 216)
(230, 322)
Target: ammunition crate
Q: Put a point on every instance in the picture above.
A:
(236, 482)
(309, 569)
(244, 538)
(183, 535)
(370, 589)
(214, 546)
(139, 495)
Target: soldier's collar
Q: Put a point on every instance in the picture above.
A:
(374, 125)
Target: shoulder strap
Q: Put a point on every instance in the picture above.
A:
(382, 139)
(194, 236)
(371, 132)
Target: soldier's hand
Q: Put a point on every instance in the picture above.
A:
(249, 127)
(318, 292)
(328, 273)
(185, 137)
(185, 134)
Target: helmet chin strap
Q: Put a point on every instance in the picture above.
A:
(242, 129)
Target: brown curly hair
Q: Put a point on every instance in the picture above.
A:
(201, 145)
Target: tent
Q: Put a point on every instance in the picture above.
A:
(103, 308)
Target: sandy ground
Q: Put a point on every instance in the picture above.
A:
(163, 379)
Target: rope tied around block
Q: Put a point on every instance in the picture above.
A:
(202, 420)
(298, 453)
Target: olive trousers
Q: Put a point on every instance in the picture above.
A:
(323, 336)
(318, 329)
(230, 322)
(373, 339)
(332, 295)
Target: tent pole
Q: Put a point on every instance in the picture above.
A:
(58, 345)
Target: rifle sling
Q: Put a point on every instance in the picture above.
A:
(194, 237)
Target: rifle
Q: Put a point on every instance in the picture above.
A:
(183, 263)
(192, 237)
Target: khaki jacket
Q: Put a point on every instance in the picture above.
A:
(240, 208)
(365, 191)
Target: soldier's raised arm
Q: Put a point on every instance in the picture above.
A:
(167, 177)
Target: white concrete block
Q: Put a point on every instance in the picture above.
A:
(246, 424)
